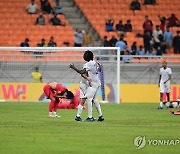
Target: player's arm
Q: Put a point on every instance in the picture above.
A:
(98, 65)
(77, 70)
(86, 77)
(169, 78)
(159, 80)
(59, 96)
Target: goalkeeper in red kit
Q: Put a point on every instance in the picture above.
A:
(55, 91)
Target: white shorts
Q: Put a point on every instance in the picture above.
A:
(92, 93)
(83, 90)
(165, 88)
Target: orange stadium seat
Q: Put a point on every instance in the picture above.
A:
(21, 25)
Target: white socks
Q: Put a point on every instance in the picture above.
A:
(98, 107)
(161, 104)
(89, 102)
(80, 108)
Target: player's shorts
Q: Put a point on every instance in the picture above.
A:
(83, 90)
(165, 88)
(49, 93)
(92, 93)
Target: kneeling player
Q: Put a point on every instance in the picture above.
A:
(72, 104)
(54, 91)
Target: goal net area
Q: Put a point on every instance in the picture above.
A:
(18, 63)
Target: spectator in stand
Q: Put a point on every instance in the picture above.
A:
(168, 37)
(122, 45)
(43, 43)
(109, 24)
(172, 20)
(140, 51)
(159, 51)
(148, 25)
(162, 43)
(128, 26)
(46, 6)
(126, 57)
(56, 21)
(25, 43)
(105, 42)
(156, 34)
(52, 14)
(57, 7)
(32, 8)
(40, 20)
(147, 42)
(135, 5)
(112, 41)
(120, 27)
(151, 2)
(163, 23)
(78, 38)
(176, 43)
(133, 48)
(51, 42)
(88, 39)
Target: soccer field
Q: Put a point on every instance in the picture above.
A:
(25, 128)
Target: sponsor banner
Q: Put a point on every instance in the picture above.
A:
(132, 93)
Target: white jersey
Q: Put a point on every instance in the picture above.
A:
(92, 69)
(165, 74)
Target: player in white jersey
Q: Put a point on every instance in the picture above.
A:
(164, 83)
(89, 72)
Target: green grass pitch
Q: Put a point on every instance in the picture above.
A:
(26, 129)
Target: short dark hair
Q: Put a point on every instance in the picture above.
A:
(69, 95)
(26, 39)
(88, 55)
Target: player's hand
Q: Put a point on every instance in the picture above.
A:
(95, 59)
(89, 79)
(71, 65)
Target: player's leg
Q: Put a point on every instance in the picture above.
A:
(98, 107)
(63, 105)
(168, 104)
(80, 109)
(51, 108)
(83, 90)
(71, 106)
(90, 95)
(56, 107)
(161, 96)
(161, 101)
(167, 91)
(49, 95)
